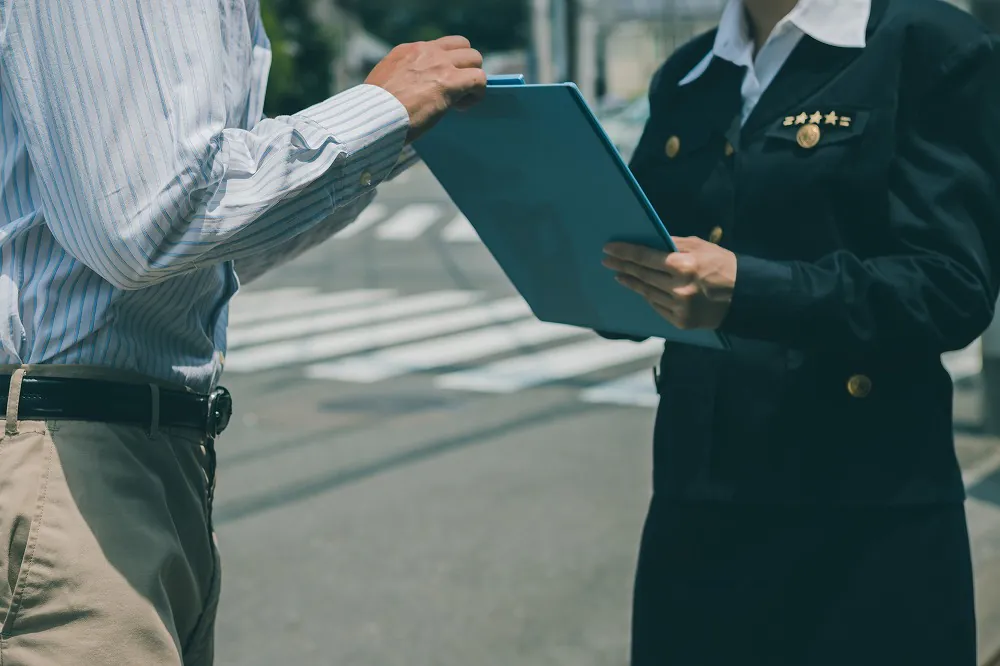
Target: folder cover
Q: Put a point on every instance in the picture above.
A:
(545, 189)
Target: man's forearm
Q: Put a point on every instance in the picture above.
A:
(254, 266)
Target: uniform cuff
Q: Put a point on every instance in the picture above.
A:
(369, 125)
(763, 306)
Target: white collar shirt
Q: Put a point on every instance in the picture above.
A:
(841, 23)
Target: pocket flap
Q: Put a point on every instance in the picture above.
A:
(832, 127)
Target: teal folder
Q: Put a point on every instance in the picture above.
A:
(545, 189)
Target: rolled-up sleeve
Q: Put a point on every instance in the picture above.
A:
(143, 171)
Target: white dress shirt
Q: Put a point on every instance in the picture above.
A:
(140, 181)
(842, 23)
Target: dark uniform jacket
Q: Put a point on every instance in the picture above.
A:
(861, 199)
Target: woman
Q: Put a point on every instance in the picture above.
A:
(829, 168)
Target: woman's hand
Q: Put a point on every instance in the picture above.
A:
(690, 288)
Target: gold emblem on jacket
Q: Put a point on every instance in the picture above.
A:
(809, 136)
(819, 118)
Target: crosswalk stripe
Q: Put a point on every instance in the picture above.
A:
(441, 352)
(247, 300)
(302, 305)
(408, 223)
(369, 314)
(330, 345)
(515, 374)
(460, 230)
(636, 390)
(368, 217)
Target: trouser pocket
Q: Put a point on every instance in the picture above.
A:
(25, 461)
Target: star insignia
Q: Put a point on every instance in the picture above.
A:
(816, 118)
(832, 118)
(801, 119)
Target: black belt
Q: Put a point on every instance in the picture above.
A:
(44, 398)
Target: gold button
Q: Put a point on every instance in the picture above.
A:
(809, 136)
(366, 179)
(859, 386)
(715, 236)
(729, 149)
(673, 147)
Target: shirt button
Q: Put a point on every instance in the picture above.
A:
(859, 386)
(366, 179)
(715, 236)
(809, 136)
(729, 149)
(673, 147)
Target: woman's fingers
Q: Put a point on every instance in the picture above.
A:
(660, 280)
(639, 255)
(652, 294)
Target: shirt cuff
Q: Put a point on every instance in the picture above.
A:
(763, 302)
(369, 125)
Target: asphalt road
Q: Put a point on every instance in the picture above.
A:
(488, 519)
(418, 474)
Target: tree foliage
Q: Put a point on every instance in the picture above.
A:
(304, 49)
(491, 25)
(303, 55)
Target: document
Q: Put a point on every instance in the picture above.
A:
(546, 190)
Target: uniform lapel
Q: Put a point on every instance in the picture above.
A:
(809, 68)
(721, 90)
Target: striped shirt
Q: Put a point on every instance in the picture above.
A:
(141, 183)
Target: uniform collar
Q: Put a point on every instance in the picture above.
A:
(841, 23)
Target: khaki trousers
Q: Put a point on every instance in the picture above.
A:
(107, 552)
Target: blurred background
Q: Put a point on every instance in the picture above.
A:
(418, 472)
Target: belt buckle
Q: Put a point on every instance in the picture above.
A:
(220, 411)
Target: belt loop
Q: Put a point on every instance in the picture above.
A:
(13, 401)
(154, 420)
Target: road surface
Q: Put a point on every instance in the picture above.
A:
(420, 474)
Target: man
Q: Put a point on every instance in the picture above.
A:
(141, 185)
(830, 168)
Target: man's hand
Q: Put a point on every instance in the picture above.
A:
(431, 77)
(691, 288)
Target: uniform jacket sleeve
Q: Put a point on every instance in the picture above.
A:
(938, 287)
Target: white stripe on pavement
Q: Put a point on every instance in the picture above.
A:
(307, 350)
(408, 223)
(460, 230)
(441, 352)
(637, 390)
(370, 314)
(247, 300)
(297, 305)
(368, 217)
(971, 477)
(511, 375)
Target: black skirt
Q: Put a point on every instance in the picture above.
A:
(720, 585)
